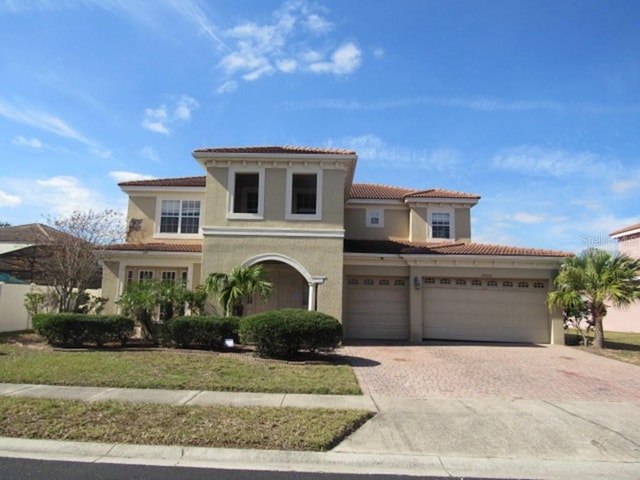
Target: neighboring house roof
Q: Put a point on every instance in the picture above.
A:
(31, 233)
(631, 229)
(155, 247)
(398, 247)
(272, 149)
(385, 192)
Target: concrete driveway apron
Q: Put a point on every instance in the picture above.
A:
(530, 404)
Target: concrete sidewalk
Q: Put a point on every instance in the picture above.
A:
(490, 438)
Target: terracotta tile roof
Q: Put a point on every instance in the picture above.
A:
(385, 192)
(445, 248)
(440, 193)
(625, 229)
(378, 192)
(198, 181)
(156, 247)
(272, 149)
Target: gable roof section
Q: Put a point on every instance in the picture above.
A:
(631, 229)
(373, 191)
(276, 150)
(400, 247)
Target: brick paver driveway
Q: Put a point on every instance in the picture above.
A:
(465, 371)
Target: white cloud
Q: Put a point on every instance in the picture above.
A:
(41, 120)
(27, 142)
(378, 53)
(529, 218)
(123, 176)
(283, 45)
(101, 152)
(558, 163)
(346, 59)
(150, 154)
(159, 119)
(227, 87)
(7, 200)
(373, 149)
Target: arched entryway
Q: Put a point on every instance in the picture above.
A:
(293, 285)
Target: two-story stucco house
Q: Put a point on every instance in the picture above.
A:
(625, 319)
(392, 263)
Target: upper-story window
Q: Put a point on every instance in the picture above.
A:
(180, 216)
(304, 195)
(440, 225)
(375, 217)
(246, 194)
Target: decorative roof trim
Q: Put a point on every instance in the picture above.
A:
(272, 232)
(623, 232)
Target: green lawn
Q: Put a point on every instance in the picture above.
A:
(148, 424)
(621, 346)
(24, 359)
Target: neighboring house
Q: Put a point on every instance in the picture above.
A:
(392, 263)
(625, 319)
(24, 250)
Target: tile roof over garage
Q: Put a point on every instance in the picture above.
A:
(400, 247)
(386, 192)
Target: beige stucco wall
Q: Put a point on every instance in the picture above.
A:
(420, 222)
(275, 201)
(319, 256)
(396, 224)
(141, 208)
(110, 285)
(463, 224)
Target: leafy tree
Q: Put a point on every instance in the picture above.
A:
(594, 280)
(235, 287)
(4, 224)
(73, 261)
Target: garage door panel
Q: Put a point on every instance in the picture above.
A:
(377, 309)
(454, 312)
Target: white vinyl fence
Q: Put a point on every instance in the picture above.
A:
(13, 314)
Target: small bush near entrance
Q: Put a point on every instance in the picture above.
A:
(282, 333)
(207, 332)
(75, 329)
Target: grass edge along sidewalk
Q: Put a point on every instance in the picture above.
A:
(282, 428)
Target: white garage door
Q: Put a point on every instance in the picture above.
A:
(485, 310)
(377, 308)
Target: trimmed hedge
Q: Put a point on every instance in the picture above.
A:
(75, 329)
(282, 333)
(208, 332)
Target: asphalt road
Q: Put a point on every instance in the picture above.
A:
(27, 469)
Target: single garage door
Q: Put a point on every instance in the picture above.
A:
(485, 310)
(377, 308)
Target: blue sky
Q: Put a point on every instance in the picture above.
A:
(534, 105)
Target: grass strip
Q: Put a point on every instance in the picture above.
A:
(170, 370)
(622, 346)
(152, 424)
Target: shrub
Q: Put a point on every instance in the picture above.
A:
(282, 333)
(208, 332)
(74, 329)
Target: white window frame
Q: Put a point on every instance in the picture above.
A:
(178, 198)
(231, 196)
(289, 215)
(452, 222)
(377, 213)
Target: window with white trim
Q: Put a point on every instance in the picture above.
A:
(246, 192)
(304, 195)
(145, 275)
(375, 217)
(180, 216)
(169, 276)
(440, 225)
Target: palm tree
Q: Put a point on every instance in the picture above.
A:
(234, 288)
(596, 279)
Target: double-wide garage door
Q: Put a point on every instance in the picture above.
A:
(377, 308)
(485, 310)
